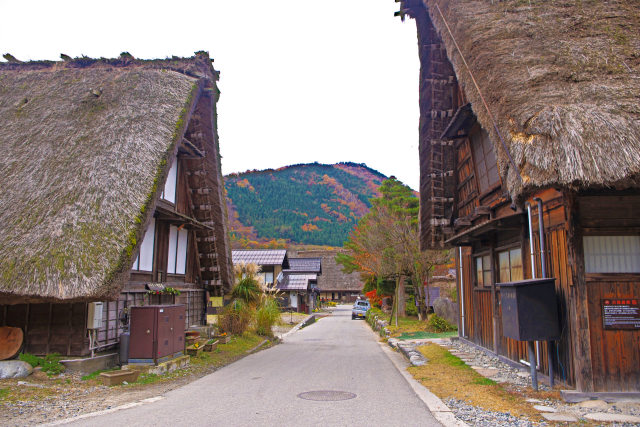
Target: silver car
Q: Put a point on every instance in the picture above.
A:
(360, 309)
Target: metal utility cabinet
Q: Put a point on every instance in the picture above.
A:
(530, 310)
(157, 333)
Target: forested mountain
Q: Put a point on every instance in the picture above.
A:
(313, 203)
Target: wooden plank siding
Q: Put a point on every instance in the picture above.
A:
(615, 354)
(61, 328)
(478, 309)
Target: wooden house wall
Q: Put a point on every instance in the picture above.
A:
(49, 328)
(611, 361)
(62, 328)
(480, 325)
(614, 354)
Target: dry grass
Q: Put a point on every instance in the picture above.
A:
(449, 377)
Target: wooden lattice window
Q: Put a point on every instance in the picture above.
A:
(612, 254)
(484, 159)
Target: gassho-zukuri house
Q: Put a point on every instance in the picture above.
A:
(111, 192)
(530, 169)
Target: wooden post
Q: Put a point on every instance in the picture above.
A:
(577, 304)
(532, 365)
(550, 348)
(494, 298)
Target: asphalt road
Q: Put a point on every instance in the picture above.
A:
(336, 354)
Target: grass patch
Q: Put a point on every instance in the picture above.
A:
(423, 335)
(4, 392)
(148, 379)
(447, 376)
(406, 325)
(484, 381)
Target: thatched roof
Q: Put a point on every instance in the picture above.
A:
(87, 145)
(332, 279)
(561, 79)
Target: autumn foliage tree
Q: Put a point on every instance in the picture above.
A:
(385, 244)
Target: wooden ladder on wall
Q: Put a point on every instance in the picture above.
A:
(442, 82)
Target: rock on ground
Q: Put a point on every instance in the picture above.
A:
(14, 369)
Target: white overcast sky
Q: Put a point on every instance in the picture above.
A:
(301, 80)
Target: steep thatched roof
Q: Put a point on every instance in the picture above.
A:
(562, 81)
(332, 279)
(86, 148)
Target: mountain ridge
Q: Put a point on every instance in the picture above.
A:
(305, 203)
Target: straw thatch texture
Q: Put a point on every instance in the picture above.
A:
(562, 80)
(85, 153)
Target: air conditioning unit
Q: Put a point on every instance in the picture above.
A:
(94, 317)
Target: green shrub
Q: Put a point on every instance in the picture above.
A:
(411, 308)
(50, 363)
(267, 315)
(438, 324)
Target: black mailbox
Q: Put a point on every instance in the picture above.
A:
(530, 310)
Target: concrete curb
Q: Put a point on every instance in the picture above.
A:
(440, 411)
(305, 322)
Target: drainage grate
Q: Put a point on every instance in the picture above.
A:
(326, 395)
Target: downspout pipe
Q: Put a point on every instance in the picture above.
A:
(531, 248)
(543, 265)
(541, 231)
(460, 273)
(533, 350)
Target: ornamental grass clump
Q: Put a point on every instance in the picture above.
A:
(235, 318)
(267, 316)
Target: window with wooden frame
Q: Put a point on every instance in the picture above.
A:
(483, 271)
(484, 159)
(510, 265)
(144, 260)
(611, 254)
(177, 256)
(170, 186)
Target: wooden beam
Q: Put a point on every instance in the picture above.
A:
(183, 217)
(577, 303)
(462, 222)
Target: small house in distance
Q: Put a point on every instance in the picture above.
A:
(334, 284)
(270, 261)
(111, 193)
(300, 283)
(530, 168)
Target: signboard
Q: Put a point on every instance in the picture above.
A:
(621, 313)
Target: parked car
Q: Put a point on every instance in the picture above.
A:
(360, 308)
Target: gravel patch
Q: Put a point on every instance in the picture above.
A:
(519, 380)
(475, 416)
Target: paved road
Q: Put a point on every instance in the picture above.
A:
(334, 354)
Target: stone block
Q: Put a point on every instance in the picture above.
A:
(612, 418)
(543, 408)
(118, 377)
(559, 417)
(594, 404)
(89, 365)
(446, 309)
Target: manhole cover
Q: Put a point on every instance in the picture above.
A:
(326, 395)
